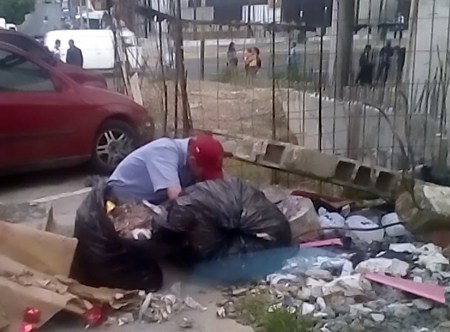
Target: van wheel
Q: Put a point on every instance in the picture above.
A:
(114, 141)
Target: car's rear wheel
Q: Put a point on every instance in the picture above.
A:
(114, 141)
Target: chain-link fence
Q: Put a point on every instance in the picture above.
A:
(394, 90)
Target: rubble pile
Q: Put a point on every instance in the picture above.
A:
(374, 276)
(334, 290)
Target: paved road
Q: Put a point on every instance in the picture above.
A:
(34, 25)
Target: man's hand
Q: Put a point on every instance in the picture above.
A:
(173, 192)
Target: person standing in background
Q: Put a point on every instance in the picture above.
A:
(57, 49)
(74, 55)
(292, 58)
(384, 65)
(232, 59)
(365, 74)
(247, 57)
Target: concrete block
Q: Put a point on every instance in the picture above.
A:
(310, 162)
(345, 170)
(35, 215)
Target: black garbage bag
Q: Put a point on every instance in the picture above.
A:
(227, 219)
(102, 258)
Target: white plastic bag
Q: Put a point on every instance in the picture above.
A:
(330, 220)
(361, 222)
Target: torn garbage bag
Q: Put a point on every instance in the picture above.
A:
(103, 258)
(226, 218)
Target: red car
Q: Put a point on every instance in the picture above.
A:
(30, 45)
(49, 120)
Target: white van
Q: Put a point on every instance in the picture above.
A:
(10, 26)
(97, 46)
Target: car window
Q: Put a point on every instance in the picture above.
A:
(19, 74)
(27, 45)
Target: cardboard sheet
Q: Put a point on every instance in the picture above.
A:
(34, 268)
(46, 252)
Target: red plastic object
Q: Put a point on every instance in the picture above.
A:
(428, 291)
(26, 327)
(94, 316)
(32, 316)
(323, 243)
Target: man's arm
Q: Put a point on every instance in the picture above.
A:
(162, 167)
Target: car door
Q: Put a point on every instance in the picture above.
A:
(38, 119)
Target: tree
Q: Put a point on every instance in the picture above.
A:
(14, 11)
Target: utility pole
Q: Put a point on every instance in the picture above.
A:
(87, 14)
(346, 19)
(181, 71)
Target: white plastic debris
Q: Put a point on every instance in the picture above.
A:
(359, 309)
(276, 278)
(431, 257)
(393, 267)
(347, 268)
(145, 305)
(394, 231)
(126, 318)
(141, 233)
(403, 247)
(319, 274)
(191, 303)
(330, 220)
(308, 308)
(321, 303)
(377, 317)
(221, 313)
(360, 222)
(349, 285)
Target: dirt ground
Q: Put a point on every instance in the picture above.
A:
(235, 109)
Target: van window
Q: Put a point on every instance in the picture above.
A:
(19, 74)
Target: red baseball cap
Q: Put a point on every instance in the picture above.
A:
(208, 153)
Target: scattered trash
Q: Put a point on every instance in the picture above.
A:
(394, 231)
(94, 316)
(322, 243)
(208, 207)
(131, 220)
(308, 308)
(32, 315)
(392, 267)
(431, 257)
(331, 220)
(275, 279)
(186, 323)
(403, 247)
(103, 258)
(302, 217)
(191, 303)
(360, 222)
(428, 291)
(221, 313)
(124, 319)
